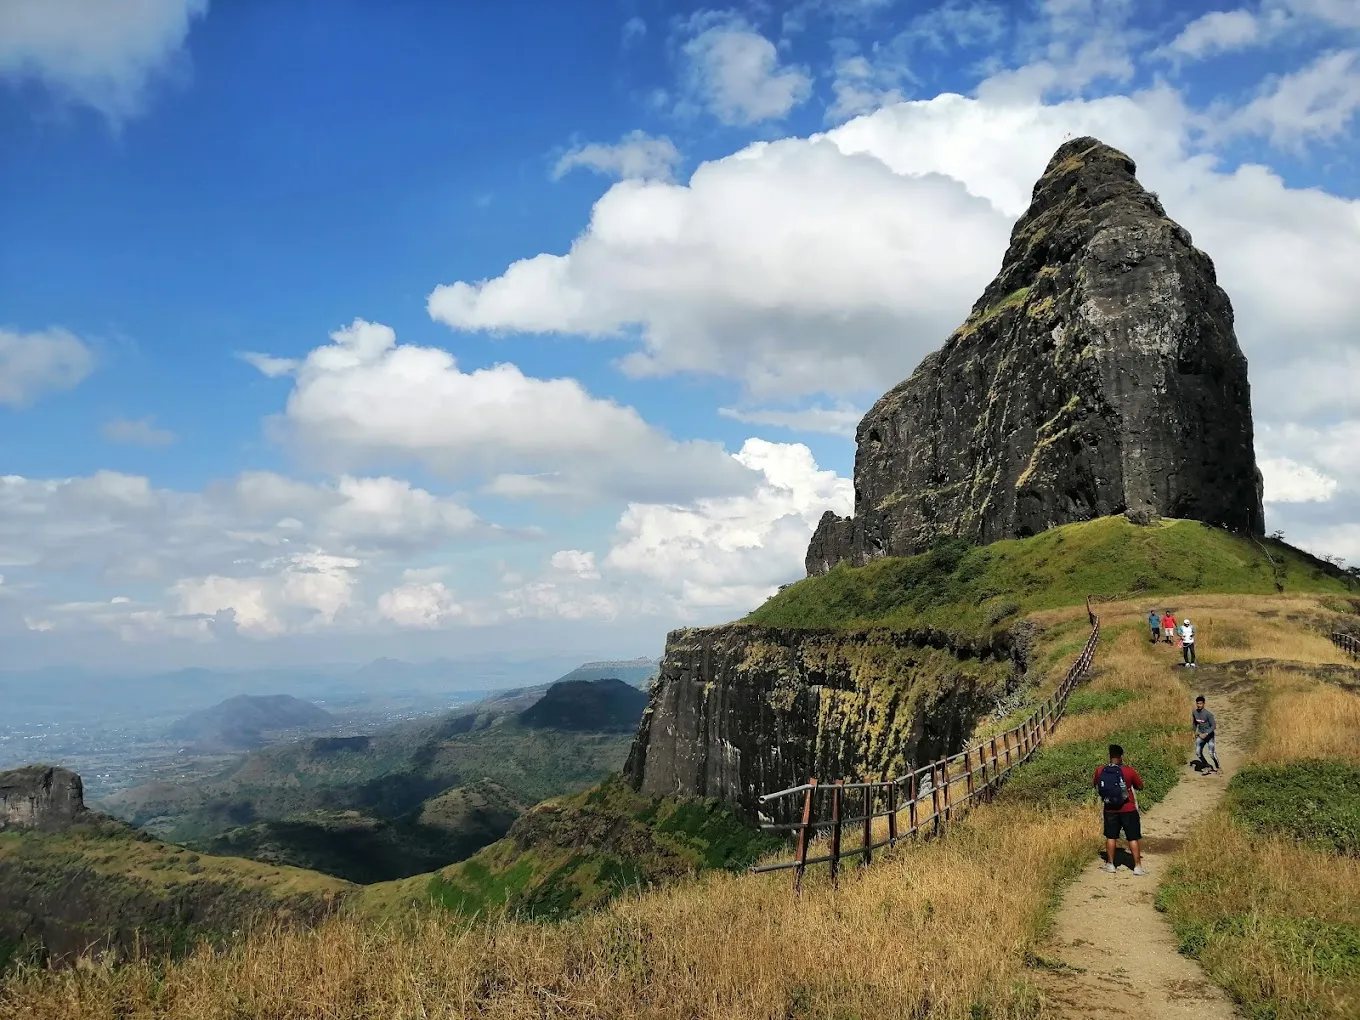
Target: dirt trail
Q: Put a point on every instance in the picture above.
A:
(1119, 953)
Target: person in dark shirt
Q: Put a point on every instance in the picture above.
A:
(1155, 622)
(1121, 815)
(1202, 722)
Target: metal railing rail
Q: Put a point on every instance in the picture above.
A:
(930, 796)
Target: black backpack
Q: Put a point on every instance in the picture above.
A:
(1112, 788)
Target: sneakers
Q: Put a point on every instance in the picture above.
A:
(1139, 870)
(1108, 867)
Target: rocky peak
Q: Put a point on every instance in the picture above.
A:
(40, 797)
(1097, 374)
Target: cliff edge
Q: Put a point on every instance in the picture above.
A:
(1097, 374)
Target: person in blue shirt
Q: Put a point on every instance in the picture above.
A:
(1155, 622)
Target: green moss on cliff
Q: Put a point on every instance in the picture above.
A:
(959, 589)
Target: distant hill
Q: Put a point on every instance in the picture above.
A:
(637, 672)
(245, 722)
(607, 704)
(404, 799)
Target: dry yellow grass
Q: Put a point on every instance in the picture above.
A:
(1307, 719)
(934, 930)
(1275, 923)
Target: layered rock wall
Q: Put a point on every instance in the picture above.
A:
(1097, 374)
(741, 710)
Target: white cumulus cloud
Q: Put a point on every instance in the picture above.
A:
(637, 154)
(364, 398)
(101, 53)
(1288, 481)
(736, 74)
(424, 605)
(34, 364)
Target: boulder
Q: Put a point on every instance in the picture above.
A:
(40, 797)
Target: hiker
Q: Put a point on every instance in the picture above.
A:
(1116, 783)
(1202, 722)
(1168, 627)
(1154, 621)
(1188, 643)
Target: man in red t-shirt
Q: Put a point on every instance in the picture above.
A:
(1116, 783)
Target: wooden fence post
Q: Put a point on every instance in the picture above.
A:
(1006, 742)
(911, 808)
(801, 856)
(996, 779)
(935, 798)
(948, 799)
(836, 828)
(892, 814)
(968, 769)
(868, 824)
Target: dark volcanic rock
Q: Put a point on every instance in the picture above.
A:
(40, 797)
(743, 710)
(605, 705)
(1097, 374)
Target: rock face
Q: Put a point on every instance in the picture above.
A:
(1098, 374)
(40, 797)
(742, 710)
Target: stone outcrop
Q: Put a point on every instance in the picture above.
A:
(742, 710)
(1098, 374)
(40, 797)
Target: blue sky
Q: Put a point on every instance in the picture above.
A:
(340, 329)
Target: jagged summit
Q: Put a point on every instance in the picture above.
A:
(1098, 373)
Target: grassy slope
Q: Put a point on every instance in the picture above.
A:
(361, 848)
(101, 883)
(1267, 894)
(578, 852)
(964, 589)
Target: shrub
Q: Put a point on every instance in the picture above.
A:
(1315, 801)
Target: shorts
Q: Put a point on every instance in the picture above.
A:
(1126, 820)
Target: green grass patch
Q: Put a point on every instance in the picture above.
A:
(1316, 802)
(1064, 772)
(1083, 701)
(966, 589)
(577, 853)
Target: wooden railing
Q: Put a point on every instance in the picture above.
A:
(922, 802)
(1348, 642)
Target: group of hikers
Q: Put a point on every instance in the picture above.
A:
(1164, 629)
(1117, 784)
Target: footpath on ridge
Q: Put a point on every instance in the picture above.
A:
(1111, 954)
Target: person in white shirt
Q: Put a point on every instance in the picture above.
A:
(1188, 642)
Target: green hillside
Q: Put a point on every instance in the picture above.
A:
(101, 885)
(966, 589)
(364, 848)
(579, 852)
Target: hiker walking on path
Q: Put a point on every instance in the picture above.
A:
(1168, 627)
(1116, 783)
(1154, 621)
(1188, 642)
(1202, 721)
